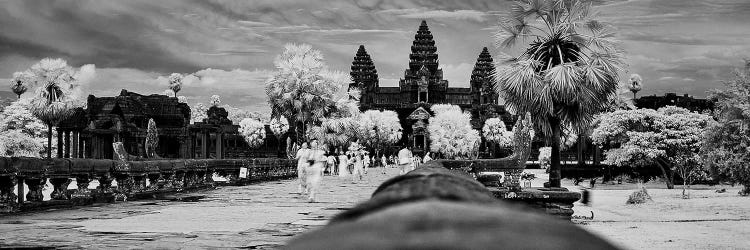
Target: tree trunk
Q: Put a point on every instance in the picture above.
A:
(670, 184)
(49, 141)
(684, 188)
(555, 170)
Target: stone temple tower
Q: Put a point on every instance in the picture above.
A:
(482, 82)
(364, 75)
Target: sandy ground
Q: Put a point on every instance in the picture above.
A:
(708, 220)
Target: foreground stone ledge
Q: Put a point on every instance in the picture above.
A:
(135, 179)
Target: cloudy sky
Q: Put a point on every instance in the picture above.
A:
(683, 46)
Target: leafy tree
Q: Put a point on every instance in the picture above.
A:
(20, 82)
(279, 126)
(54, 98)
(199, 112)
(380, 129)
(669, 138)
(635, 84)
(725, 148)
(253, 131)
(451, 134)
(14, 143)
(302, 89)
(152, 139)
(17, 117)
(215, 101)
(494, 130)
(175, 82)
(566, 73)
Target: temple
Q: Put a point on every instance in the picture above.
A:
(90, 132)
(423, 85)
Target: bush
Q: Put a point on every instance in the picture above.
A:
(639, 197)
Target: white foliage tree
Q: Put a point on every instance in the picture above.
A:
(253, 131)
(20, 82)
(57, 89)
(21, 131)
(15, 143)
(198, 113)
(379, 129)
(494, 130)
(175, 82)
(215, 100)
(451, 134)
(279, 126)
(302, 89)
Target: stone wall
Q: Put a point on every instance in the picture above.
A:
(135, 179)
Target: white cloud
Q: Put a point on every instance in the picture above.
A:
(472, 15)
(458, 75)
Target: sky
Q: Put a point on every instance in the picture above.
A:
(681, 46)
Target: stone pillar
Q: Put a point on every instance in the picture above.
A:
(154, 183)
(74, 146)
(35, 189)
(125, 184)
(82, 192)
(204, 145)
(60, 147)
(219, 146)
(105, 184)
(19, 181)
(67, 144)
(60, 186)
(8, 200)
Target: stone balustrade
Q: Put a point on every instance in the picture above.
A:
(134, 179)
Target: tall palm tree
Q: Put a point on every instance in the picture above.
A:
(565, 74)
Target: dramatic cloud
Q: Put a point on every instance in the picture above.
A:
(229, 45)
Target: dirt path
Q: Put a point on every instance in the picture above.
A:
(255, 216)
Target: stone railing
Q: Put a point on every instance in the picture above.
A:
(134, 179)
(436, 208)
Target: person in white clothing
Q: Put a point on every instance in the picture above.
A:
(366, 161)
(331, 164)
(426, 158)
(302, 155)
(314, 171)
(384, 161)
(343, 164)
(404, 160)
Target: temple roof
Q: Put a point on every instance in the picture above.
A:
(423, 50)
(363, 70)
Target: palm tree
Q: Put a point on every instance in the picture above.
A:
(636, 84)
(302, 89)
(565, 75)
(20, 82)
(54, 100)
(175, 82)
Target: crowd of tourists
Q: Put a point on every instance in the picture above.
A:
(313, 162)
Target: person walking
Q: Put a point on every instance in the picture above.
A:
(384, 162)
(302, 163)
(404, 160)
(366, 161)
(426, 158)
(343, 164)
(317, 158)
(331, 164)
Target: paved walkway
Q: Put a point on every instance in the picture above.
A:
(256, 216)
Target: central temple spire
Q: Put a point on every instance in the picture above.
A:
(423, 50)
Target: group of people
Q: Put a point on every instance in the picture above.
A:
(313, 162)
